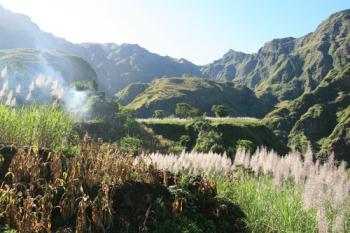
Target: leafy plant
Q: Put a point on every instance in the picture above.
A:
(220, 110)
(159, 114)
(185, 110)
(131, 145)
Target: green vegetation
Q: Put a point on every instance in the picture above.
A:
(246, 144)
(319, 117)
(220, 110)
(159, 114)
(129, 93)
(199, 93)
(105, 171)
(223, 134)
(209, 141)
(130, 145)
(269, 208)
(284, 69)
(41, 126)
(184, 110)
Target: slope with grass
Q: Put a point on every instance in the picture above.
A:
(283, 69)
(231, 130)
(129, 93)
(320, 116)
(200, 93)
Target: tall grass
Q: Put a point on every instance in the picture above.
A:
(208, 165)
(292, 193)
(267, 208)
(322, 188)
(42, 126)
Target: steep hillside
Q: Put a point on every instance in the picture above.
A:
(283, 69)
(129, 93)
(320, 116)
(200, 93)
(116, 65)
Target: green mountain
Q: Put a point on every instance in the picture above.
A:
(321, 117)
(284, 69)
(200, 93)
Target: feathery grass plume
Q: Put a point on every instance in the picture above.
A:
(325, 186)
(4, 72)
(31, 87)
(57, 91)
(40, 81)
(29, 96)
(18, 89)
(242, 158)
(195, 163)
(5, 85)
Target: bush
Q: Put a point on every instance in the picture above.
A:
(220, 110)
(159, 114)
(185, 141)
(209, 141)
(185, 110)
(246, 144)
(130, 145)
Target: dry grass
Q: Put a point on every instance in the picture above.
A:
(45, 192)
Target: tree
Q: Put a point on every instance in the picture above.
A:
(185, 110)
(220, 110)
(185, 141)
(209, 141)
(159, 114)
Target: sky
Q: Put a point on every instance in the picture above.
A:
(198, 30)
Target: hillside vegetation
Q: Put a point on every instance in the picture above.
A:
(320, 117)
(200, 93)
(230, 133)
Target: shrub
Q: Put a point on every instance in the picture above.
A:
(209, 141)
(220, 110)
(159, 114)
(130, 145)
(246, 144)
(185, 110)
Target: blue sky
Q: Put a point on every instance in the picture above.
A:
(198, 30)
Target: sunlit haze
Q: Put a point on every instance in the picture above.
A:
(199, 31)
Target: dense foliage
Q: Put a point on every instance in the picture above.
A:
(41, 126)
